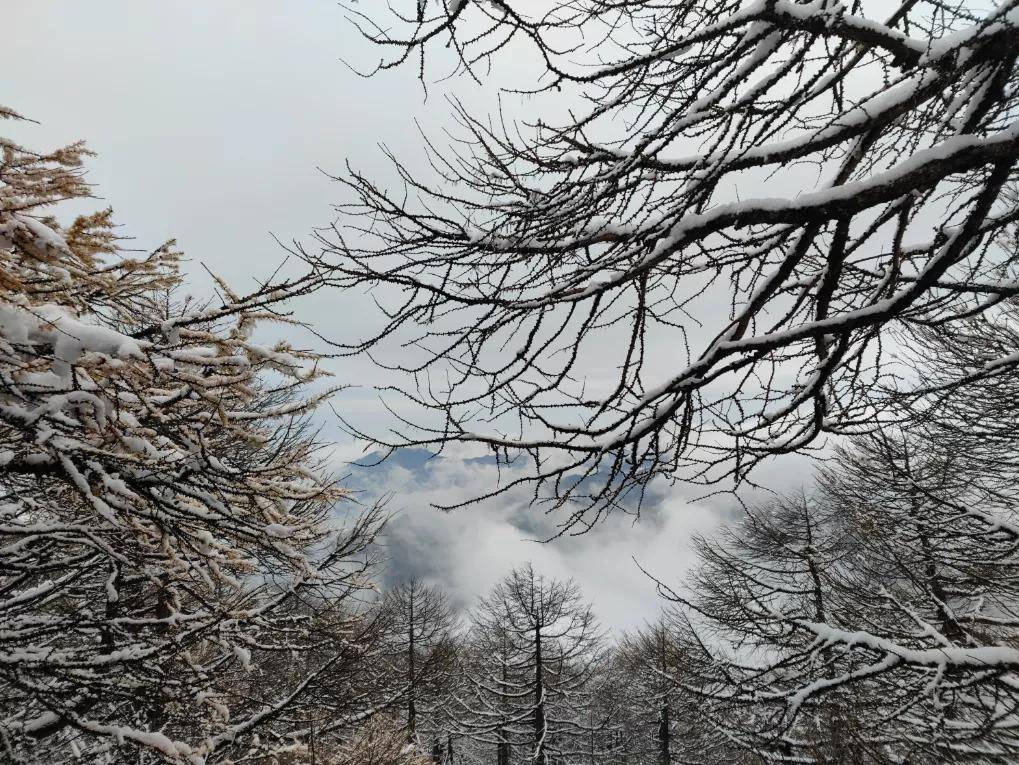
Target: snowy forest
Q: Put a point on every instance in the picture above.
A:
(693, 240)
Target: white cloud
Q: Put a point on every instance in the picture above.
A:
(466, 551)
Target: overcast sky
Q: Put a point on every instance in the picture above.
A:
(211, 120)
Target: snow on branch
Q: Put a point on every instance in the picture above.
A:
(701, 266)
(166, 513)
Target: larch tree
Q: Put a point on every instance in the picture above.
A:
(536, 645)
(756, 582)
(420, 646)
(165, 508)
(663, 725)
(872, 622)
(935, 596)
(833, 174)
(652, 684)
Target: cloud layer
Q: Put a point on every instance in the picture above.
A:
(466, 551)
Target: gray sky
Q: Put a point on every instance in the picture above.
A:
(210, 119)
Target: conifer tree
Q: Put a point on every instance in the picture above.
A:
(164, 504)
(420, 646)
(534, 655)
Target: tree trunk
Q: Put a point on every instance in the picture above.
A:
(412, 680)
(664, 723)
(664, 736)
(540, 757)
